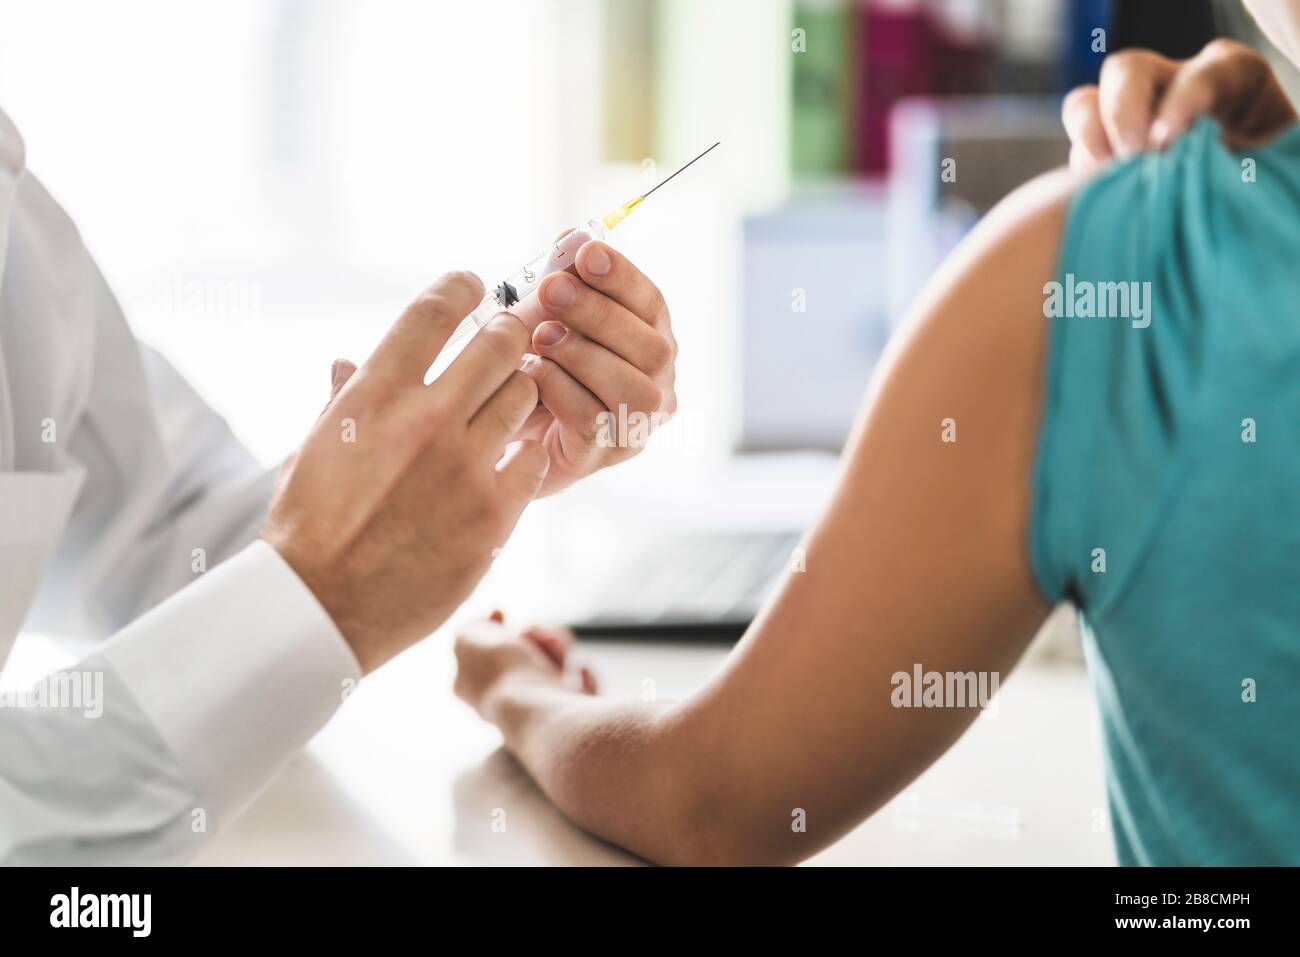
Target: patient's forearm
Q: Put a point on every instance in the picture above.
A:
(609, 766)
(919, 561)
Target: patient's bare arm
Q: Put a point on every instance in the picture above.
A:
(921, 558)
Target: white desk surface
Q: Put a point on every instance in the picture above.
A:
(406, 774)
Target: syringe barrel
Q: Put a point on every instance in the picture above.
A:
(476, 320)
(561, 254)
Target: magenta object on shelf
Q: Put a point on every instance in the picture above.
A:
(906, 52)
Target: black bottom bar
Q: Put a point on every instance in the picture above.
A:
(590, 907)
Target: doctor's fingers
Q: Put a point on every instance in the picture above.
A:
(504, 414)
(406, 352)
(606, 270)
(483, 367)
(610, 378)
(603, 319)
(567, 400)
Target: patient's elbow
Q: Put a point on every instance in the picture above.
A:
(707, 816)
(715, 832)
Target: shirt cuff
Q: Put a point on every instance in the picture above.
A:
(237, 672)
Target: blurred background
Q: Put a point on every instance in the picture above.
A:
(267, 183)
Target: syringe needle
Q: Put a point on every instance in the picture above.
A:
(616, 216)
(682, 168)
(493, 303)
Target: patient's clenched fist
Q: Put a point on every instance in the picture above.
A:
(489, 655)
(391, 509)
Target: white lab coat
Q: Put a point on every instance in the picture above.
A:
(112, 473)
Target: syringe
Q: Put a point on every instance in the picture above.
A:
(559, 255)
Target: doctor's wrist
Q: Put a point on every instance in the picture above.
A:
(372, 621)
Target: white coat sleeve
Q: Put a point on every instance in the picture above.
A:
(199, 703)
(208, 675)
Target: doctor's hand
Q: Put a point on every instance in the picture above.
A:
(1146, 101)
(391, 509)
(606, 373)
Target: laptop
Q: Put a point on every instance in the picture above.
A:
(704, 586)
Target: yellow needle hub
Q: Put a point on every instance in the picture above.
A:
(612, 219)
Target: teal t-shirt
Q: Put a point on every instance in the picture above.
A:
(1167, 491)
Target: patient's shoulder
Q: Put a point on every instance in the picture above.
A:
(1197, 203)
(1168, 313)
(1210, 232)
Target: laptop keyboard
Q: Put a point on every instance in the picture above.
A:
(702, 579)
